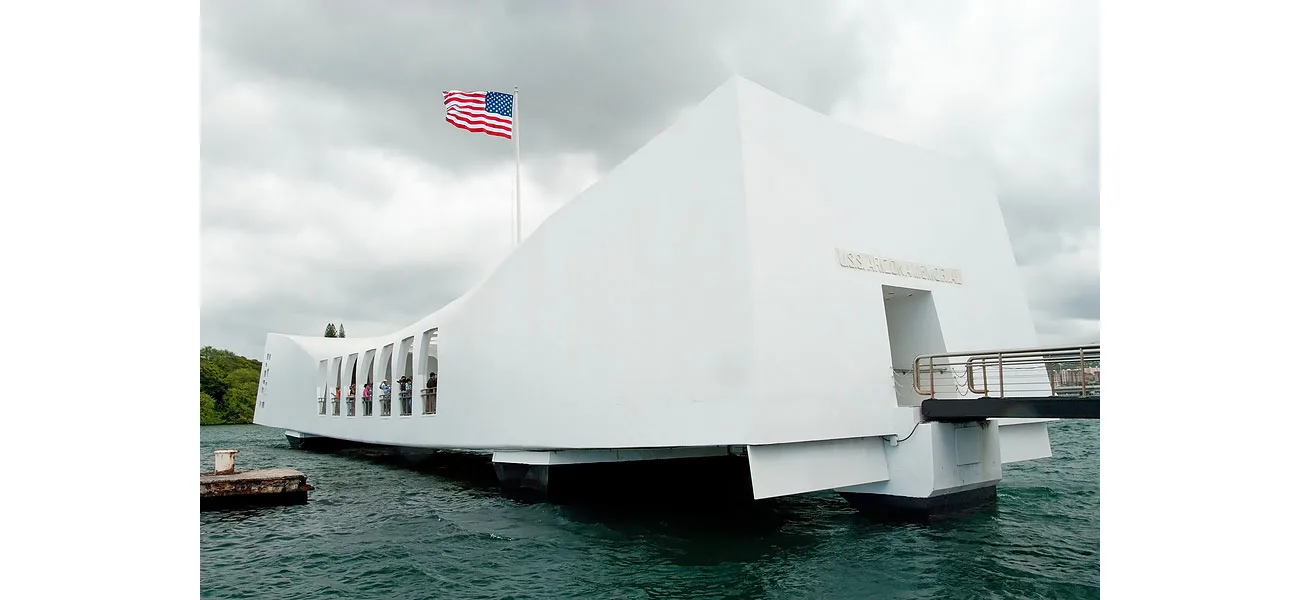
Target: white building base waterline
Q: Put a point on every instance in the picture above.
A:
(940, 468)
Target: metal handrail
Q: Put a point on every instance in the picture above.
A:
(1050, 358)
(1009, 351)
(1045, 359)
(430, 397)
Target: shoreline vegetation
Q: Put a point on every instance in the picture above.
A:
(228, 384)
(227, 387)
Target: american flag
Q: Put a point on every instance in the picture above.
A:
(481, 112)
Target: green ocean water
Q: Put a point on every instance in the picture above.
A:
(376, 529)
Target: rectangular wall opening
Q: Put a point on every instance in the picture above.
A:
(322, 385)
(914, 330)
(386, 383)
(427, 374)
(406, 363)
(368, 389)
(351, 377)
(336, 378)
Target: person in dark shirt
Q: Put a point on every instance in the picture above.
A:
(433, 381)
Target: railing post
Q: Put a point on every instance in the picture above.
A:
(1002, 383)
(1083, 376)
(931, 377)
(429, 395)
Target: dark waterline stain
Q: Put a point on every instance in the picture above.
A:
(377, 527)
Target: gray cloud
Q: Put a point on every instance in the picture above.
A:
(353, 297)
(599, 77)
(332, 190)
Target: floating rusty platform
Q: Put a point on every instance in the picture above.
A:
(266, 487)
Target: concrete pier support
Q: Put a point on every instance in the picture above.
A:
(939, 468)
(524, 480)
(630, 476)
(910, 508)
(312, 443)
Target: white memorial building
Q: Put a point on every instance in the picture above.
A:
(755, 281)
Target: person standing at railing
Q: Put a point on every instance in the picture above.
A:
(404, 386)
(365, 392)
(432, 383)
(384, 389)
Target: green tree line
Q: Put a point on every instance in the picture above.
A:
(227, 386)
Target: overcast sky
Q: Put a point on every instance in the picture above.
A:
(333, 191)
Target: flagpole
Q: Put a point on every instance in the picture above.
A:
(514, 133)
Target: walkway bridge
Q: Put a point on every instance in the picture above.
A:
(1062, 382)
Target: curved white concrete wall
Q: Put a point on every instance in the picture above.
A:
(695, 297)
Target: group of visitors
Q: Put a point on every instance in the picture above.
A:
(352, 391)
(367, 391)
(404, 385)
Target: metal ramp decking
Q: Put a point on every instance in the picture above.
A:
(1062, 382)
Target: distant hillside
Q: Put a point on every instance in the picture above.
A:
(227, 387)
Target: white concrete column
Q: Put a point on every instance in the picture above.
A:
(373, 375)
(382, 363)
(420, 364)
(385, 364)
(402, 354)
(336, 364)
(395, 394)
(349, 366)
(322, 376)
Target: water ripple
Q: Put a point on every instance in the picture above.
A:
(379, 530)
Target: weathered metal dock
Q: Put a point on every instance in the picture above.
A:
(266, 487)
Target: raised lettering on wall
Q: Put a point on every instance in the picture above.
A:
(890, 266)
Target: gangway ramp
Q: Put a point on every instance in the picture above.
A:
(1059, 382)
